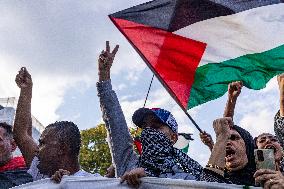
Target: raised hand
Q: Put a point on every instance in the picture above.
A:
(57, 177)
(105, 62)
(206, 139)
(222, 126)
(280, 79)
(133, 177)
(24, 79)
(271, 179)
(234, 89)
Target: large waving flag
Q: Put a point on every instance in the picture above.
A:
(197, 47)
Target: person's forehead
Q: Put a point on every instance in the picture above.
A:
(265, 135)
(234, 132)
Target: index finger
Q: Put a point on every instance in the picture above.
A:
(22, 70)
(115, 50)
(107, 46)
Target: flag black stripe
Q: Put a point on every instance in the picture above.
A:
(171, 15)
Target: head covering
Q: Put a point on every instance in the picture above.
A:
(245, 175)
(163, 115)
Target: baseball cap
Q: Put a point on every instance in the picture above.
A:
(163, 115)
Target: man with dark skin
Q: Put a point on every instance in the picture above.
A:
(59, 144)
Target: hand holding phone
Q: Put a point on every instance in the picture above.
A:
(264, 159)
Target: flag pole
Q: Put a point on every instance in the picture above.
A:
(186, 113)
(192, 120)
(148, 91)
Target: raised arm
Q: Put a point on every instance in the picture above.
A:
(207, 140)
(216, 161)
(279, 117)
(23, 121)
(280, 79)
(234, 90)
(121, 142)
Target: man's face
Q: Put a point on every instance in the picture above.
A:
(49, 152)
(7, 146)
(155, 123)
(236, 157)
(269, 141)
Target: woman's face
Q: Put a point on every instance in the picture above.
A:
(269, 141)
(236, 157)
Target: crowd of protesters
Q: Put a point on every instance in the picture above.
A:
(231, 160)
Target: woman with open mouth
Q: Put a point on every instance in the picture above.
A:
(232, 158)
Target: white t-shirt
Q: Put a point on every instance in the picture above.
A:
(34, 171)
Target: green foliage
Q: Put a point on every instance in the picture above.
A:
(95, 155)
(135, 132)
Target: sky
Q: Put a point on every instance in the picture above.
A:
(59, 43)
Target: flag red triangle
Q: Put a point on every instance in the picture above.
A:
(171, 57)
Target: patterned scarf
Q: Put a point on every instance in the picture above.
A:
(159, 156)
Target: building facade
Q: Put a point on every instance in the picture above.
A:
(7, 114)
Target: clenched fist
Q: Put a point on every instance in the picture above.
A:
(24, 79)
(222, 126)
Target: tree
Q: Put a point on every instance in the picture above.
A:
(95, 155)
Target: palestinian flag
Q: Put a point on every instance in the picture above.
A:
(197, 47)
(183, 141)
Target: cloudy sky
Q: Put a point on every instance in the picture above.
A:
(59, 42)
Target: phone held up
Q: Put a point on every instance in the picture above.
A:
(264, 159)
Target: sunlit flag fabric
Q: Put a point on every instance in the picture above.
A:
(197, 47)
(183, 141)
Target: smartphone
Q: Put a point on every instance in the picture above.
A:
(264, 159)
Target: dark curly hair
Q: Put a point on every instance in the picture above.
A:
(67, 133)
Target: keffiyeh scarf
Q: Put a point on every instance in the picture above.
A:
(159, 156)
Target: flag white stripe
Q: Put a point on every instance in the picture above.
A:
(227, 37)
(181, 142)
